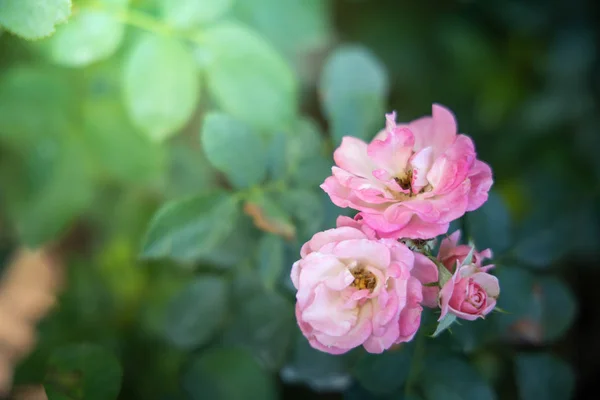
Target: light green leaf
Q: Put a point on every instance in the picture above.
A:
(235, 149)
(451, 378)
(33, 19)
(227, 373)
(387, 372)
(83, 371)
(469, 258)
(543, 376)
(445, 275)
(271, 259)
(444, 324)
(247, 78)
(264, 324)
(353, 87)
(189, 13)
(197, 312)
(293, 26)
(161, 86)
(91, 35)
(186, 230)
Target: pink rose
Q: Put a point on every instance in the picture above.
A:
(354, 289)
(411, 180)
(451, 252)
(471, 293)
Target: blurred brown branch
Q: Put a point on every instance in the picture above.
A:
(27, 292)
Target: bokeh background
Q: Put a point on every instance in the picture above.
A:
(164, 158)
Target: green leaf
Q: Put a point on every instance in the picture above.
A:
(306, 164)
(197, 312)
(320, 371)
(44, 167)
(189, 13)
(450, 378)
(227, 373)
(238, 246)
(33, 19)
(235, 149)
(538, 310)
(271, 259)
(264, 324)
(306, 207)
(161, 86)
(446, 275)
(543, 376)
(444, 324)
(109, 132)
(353, 86)
(190, 173)
(188, 229)
(490, 225)
(294, 26)
(469, 258)
(91, 35)
(83, 371)
(269, 216)
(247, 78)
(559, 308)
(384, 373)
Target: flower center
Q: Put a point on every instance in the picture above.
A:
(405, 181)
(363, 279)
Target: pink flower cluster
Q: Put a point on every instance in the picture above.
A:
(359, 284)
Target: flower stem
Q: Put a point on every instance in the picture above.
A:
(415, 366)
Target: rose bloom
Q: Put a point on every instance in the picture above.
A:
(413, 179)
(356, 289)
(471, 293)
(451, 252)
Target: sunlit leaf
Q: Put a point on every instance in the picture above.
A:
(33, 19)
(161, 85)
(91, 35)
(196, 313)
(247, 78)
(188, 13)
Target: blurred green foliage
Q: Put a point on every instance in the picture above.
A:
(175, 148)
